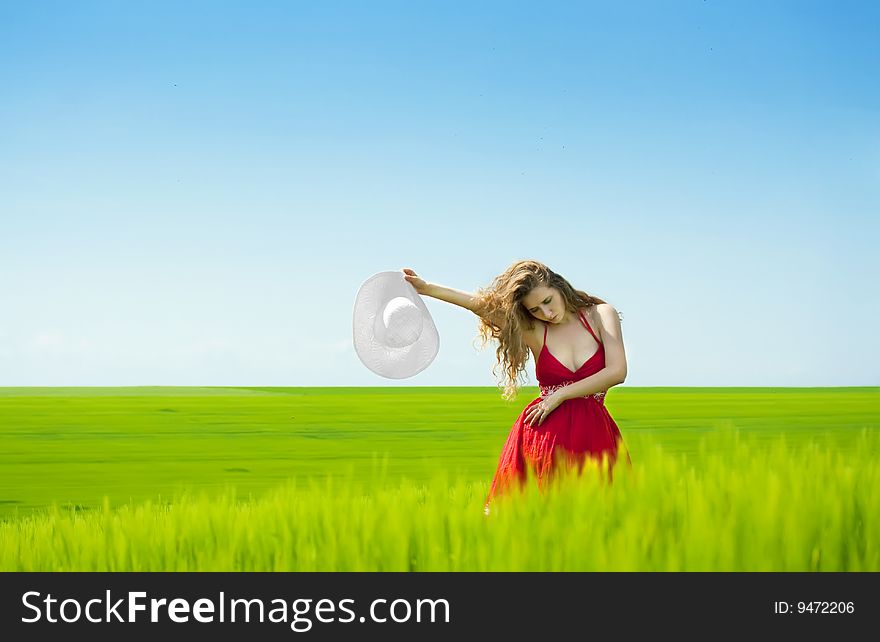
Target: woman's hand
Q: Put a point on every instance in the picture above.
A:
(415, 280)
(539, 412)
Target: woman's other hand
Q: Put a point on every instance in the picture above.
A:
(539, 412)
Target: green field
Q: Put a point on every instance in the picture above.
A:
(395, 478)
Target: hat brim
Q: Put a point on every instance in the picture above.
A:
(384, 360)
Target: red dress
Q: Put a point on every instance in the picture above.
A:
(577, 428)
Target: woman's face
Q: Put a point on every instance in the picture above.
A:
(545, 303)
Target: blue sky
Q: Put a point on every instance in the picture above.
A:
(191, 193)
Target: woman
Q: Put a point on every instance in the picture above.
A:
(530, 307)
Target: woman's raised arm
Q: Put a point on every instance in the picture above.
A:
(460, 298)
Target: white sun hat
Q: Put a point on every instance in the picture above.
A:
(394, 334)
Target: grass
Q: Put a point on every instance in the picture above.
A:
(395, 479)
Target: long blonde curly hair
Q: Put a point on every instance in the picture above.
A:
(503, 300)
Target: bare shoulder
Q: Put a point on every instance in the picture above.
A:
(605, 310)
(536, 332)
(534, 336)
(606, 317)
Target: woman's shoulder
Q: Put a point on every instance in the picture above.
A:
(602, 309)
(534, 335)
(603, 315)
